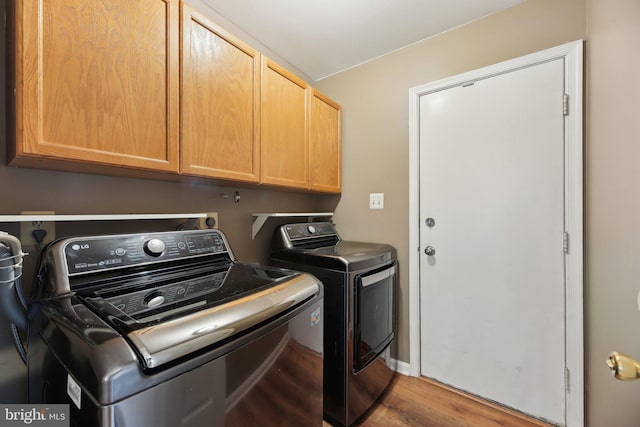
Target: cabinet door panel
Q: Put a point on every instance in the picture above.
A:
(325, 172)
(97, 81)
(220, 94)
(284, 131)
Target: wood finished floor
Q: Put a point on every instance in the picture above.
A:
(417, 402)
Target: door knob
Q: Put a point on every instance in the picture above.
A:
(623, 367)
(430, 250)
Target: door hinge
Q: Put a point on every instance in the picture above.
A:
(565, 242)
(566, 379)
(565, 104)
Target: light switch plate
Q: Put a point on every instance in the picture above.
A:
(376, 201)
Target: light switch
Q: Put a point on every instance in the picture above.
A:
(376, 201)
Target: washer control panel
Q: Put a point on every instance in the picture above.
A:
(106, 252)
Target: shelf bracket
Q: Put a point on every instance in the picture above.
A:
(258, 223)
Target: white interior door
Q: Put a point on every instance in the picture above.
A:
(492, 297)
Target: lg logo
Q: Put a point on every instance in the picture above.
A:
(77, 247)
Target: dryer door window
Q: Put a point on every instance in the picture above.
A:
(375, 317)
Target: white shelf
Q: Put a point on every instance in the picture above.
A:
(98, 217)
(261, 218)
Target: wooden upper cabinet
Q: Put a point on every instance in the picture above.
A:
(325, 145)
(283, 128)
(154, 85)
(97, 82)
(220, 102)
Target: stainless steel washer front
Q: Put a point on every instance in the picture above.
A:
(168, 329)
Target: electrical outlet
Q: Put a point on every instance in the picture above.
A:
(376, 201)
(27, 228)
(211, 221)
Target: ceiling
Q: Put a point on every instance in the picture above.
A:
(325, 37)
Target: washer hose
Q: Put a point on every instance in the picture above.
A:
(9, 306)
(17, 341)
(10, 272)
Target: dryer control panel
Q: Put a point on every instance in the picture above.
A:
(294, 235)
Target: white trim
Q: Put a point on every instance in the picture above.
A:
(574, 215)
(572, 53)
(401, 367)
(97, 217)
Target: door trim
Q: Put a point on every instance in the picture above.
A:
(572, 53)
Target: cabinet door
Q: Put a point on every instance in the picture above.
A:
(97, 82)
(325, 169)
(284, 131)
(220, 102)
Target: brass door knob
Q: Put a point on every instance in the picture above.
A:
(623, 367)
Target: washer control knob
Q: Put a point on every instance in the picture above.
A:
(311, 229)
(154, 247)
(154, 299)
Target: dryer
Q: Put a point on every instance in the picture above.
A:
(360, 284)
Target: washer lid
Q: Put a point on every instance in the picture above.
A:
(167, 316)
(164, 342)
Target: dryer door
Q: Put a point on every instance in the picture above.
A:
(375, 313)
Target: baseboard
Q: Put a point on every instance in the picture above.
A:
(401, 367)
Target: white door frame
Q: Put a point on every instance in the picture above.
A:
(572, 53)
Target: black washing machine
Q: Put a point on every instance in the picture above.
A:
(360, 283)
(169, 329)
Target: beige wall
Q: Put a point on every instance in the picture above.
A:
(374, 97)
(612, 207)
(375, 102)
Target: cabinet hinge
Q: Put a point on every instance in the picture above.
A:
(565, 104)
(566, 379)
(565, 242)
